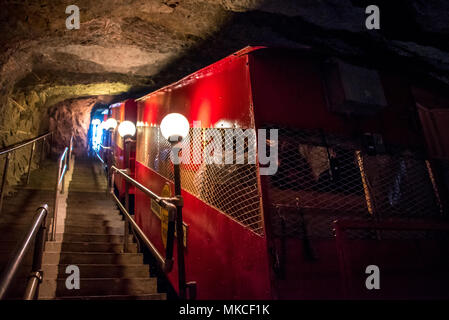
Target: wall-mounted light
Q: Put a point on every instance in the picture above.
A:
(127, 129)
(110, 124)
(174, 127)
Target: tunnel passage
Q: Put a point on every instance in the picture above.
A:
(56, 79)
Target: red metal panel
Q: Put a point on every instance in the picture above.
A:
(218, 92)
(288, 90)
(435, 124)
(227, 260)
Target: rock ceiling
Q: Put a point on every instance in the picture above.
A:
(133, 46)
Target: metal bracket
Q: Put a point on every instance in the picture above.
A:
(39, 275)
(177, 201)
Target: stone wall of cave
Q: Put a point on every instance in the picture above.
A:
(71, 117)
(50, 76)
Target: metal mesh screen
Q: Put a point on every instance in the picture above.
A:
(322, 178)
(231, 188)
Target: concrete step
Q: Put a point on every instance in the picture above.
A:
(151, 296)
(83, 222)
(94, 258)
(98, 287)
(86, 237)
(88, 195)
(88, 218)
(99, 271)
(84, 211)
(92, 205)
(95, 229)
(57, 246)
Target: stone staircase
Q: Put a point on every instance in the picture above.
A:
(90, 235)
(19, 209)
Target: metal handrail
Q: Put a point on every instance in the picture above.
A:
(64, 165)
(24, 143)
(36, 230)
(8, 151)
(166, 263)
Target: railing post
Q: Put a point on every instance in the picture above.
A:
(30, 160)
(51, 143)
(4, 178)
(55, 208)
(41, 156)
(180, 234)
(36, 272)
(70, 152)
(10, 270)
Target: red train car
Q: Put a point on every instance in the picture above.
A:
(346, 152)
(123, 111)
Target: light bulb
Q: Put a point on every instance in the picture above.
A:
(126, 128)
(96, 122)
(111, 123)
(174, 127)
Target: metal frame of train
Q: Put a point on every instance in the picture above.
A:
(354, 185)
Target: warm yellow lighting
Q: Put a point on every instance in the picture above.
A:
(126, 128)
(111, 123)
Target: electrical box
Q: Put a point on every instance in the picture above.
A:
(353, 90)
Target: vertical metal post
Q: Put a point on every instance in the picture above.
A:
(434, 186)
(36, 272)
(42, 151)
(344, 272)
(63, 184)
(51, 143)
(180, 234)
(4, 178)
(30, 160)
(368, 197)
(69, 154)
(55, 208)
(127, 151)
(126, 165)
(367, 190)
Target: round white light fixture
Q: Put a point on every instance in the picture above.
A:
(111, 123)
(126, 128)
(174, 127)
(96, 122)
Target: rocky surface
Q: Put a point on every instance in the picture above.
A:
(50, 76)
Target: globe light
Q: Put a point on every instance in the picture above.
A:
(174, 127)
(109, 124)
(96, 122)
(126, 128)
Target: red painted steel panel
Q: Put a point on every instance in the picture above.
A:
(216, 258)
(282, 88)
(288, 90)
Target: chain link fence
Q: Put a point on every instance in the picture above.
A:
(323, 177)
(233, 189)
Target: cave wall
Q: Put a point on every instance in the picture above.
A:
(71, 117)
(49, 74)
